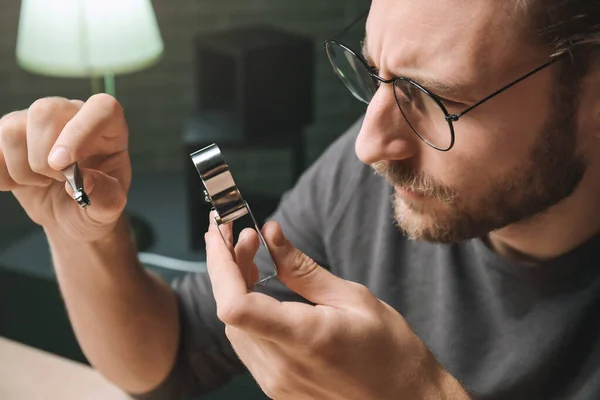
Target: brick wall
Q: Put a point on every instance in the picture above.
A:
(158, 99)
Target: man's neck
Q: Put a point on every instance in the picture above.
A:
(553, 233)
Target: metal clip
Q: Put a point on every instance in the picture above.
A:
(73, 175)
(224, 196)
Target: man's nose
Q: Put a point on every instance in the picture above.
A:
(385, 134)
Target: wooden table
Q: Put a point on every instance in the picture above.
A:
(30, 374)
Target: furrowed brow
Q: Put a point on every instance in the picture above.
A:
(436, 86)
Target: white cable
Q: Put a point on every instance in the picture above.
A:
(172, 263)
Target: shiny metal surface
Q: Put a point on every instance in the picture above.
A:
(222, 192)
(221, 189)
(75, 180)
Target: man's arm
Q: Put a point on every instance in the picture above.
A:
(125, 319)
(160, 343)
(206, 358)
(132, 326)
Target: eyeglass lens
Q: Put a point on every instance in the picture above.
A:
(422, 113)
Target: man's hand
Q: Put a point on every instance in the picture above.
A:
(36, 144)
(350, 345)
(112, 302)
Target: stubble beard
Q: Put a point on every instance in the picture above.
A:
(551, 173)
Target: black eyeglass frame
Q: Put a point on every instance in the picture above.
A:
(450, 118)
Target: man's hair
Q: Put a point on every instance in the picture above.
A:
(564, 24)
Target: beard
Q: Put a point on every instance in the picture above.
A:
(551, 172)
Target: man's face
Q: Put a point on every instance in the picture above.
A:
(514, 156)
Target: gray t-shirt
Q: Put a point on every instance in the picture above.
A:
(503, 330)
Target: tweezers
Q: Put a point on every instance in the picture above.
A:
(73, 175)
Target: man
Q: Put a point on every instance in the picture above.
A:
(468, 266)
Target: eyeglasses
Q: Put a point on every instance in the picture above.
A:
(423, 110)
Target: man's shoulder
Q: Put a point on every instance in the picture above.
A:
(341, 154)
(312, 209)
(338, 172)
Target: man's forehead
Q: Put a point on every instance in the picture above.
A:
(431, 82)
(448, 43)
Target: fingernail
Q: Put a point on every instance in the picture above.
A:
(60, 158)
(243, 236)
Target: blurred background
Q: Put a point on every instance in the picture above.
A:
(213, 62)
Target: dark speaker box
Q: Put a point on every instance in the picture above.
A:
(261, 76)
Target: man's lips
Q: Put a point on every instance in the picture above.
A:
(409, 194)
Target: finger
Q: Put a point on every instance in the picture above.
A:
(254, 275)
(256, 313)
(46, 120)
(78, 103)
(13, 141)
(100, 120)
(303, 275)
(227, 279)
(225, 229)
(107, 197)
(6, 182)
(245, 251)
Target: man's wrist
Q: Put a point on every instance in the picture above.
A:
(112, 256)
(450, 388)
(101, 235)
(431, 381)
(442, 385)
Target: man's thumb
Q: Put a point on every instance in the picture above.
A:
(300, 273)
(107, 196)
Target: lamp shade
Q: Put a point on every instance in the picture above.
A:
(87, 38)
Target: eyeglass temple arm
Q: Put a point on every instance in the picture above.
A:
(455, 117)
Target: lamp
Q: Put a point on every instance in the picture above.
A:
(88, 38)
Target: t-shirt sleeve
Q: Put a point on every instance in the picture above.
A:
(206, 360)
